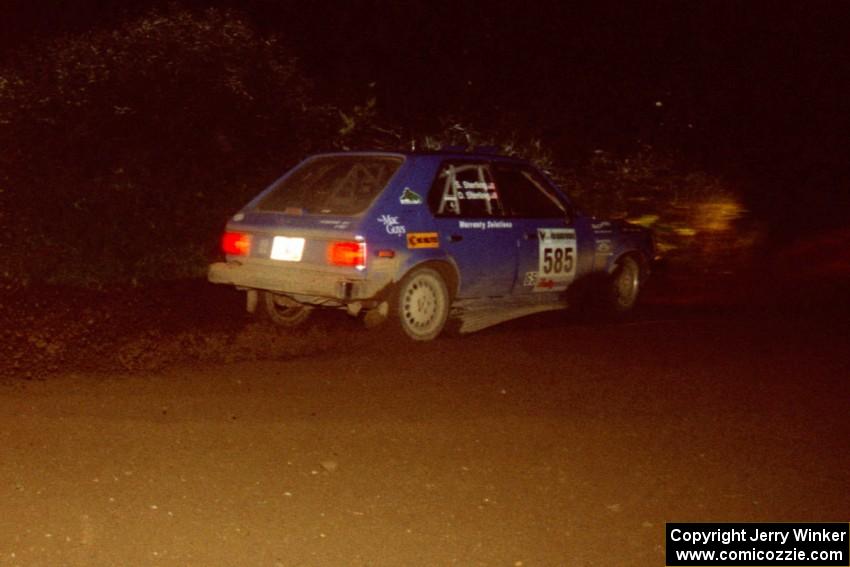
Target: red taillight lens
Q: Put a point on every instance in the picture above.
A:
(347, 253)
(236, 243)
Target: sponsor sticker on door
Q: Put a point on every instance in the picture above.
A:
(423, 240)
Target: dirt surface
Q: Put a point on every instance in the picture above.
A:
(51, 330)
(200, 439)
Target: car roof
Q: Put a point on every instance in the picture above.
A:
(451, 153)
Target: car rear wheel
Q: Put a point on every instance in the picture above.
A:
(283, 310)
(421, 304)
(625, 285)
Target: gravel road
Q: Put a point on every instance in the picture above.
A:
(541, 442)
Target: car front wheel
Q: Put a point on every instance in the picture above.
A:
(625, 285)
(283, 310)
(421, 304)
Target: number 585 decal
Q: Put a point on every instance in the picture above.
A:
(557, 260)
(557, 265)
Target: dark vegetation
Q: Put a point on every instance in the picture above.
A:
(127, 144)
(126, 148)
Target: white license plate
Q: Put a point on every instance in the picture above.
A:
(287, 249)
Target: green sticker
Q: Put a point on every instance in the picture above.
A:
(410, 197)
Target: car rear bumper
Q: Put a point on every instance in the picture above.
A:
(298, 282)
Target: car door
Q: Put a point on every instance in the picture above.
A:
(549, 245)
(470, 220)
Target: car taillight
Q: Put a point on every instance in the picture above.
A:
(236, 243)
(347, 253)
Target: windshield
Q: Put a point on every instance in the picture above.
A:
(332, 185)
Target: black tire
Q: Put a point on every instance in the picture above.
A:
(282, 310)
(624, 285)
(420, 304)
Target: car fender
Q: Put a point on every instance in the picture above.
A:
(620, 240)
(437, 259)
(642, 259)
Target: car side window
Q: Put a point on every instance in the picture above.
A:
(525, 193)
(465, 189)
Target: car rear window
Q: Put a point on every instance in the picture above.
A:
(331, 185)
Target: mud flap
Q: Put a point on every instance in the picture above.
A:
(251, 299)
(377, 316)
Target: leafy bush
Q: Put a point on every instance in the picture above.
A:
(128, 147)
(692, 212)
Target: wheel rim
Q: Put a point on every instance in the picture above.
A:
(421, 306)
(627, 284)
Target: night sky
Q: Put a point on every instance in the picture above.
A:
(756, 91)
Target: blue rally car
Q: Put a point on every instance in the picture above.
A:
(418, 238)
